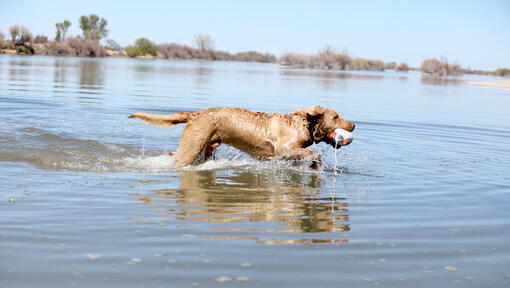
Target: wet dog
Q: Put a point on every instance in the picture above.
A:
(259, 134)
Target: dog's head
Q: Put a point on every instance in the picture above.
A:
(322, 121)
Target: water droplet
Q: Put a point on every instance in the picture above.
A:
(223, 279)
(245, 265)
(12, 200)
(93, 256)
(242, 279)
(450, 268)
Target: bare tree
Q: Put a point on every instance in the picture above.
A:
(20, 34)
(112, 44)
(15, 31)
(204, 42)
(328, 50)
(26, 35)
(2, 35)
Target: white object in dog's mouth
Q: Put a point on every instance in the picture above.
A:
(341, 137)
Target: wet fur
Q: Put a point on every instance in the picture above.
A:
(259, 134)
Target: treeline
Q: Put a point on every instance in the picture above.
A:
(204, 51)
(95, 29)
(328, 58)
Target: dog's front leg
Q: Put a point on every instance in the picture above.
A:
(304, 154)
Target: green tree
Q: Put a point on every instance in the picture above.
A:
(143, 46)
(62, 30)
(93, 27)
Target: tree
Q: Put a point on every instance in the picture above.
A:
(93, 27)
(20, 34)
(2, 36)
(62, 30)
(143, 46)
(15, 31)
(113, 45)
(403, 67)
(204, 42)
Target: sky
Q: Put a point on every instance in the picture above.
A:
(475, 34)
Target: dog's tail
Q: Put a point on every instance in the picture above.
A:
(166, 121)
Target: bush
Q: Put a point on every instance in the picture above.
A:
(391, 65)
(503, 72)
(440, 68)
(403, 67)
(174, 51)
(56, 48)
(328, 59)
(85, 47)
(40, 39)
(142, 47)
(365, 64)
(113, 45)
(254, 56)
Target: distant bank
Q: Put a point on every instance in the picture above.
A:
(95, 29)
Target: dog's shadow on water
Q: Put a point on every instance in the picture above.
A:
(268, 208)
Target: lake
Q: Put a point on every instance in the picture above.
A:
(89, 199)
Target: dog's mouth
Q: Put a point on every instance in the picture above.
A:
(338, 138)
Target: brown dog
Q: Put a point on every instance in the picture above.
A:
(259, 134)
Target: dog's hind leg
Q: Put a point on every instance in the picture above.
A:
(195, 138)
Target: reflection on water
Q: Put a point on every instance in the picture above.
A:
(442, 81)
(18, 70)
(59, 73)
(91, 75)
(289, 203)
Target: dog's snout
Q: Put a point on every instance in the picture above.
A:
(353, 126)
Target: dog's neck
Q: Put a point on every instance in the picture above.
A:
(312, 122)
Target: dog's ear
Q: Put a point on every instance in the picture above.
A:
(315, 111)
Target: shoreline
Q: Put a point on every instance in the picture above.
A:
(498, 84)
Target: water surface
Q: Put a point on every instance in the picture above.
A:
(88, 197)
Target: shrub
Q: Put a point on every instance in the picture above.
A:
(58, 49)
(391, 65)
(328, 59)
(503, 72)
(254, 56)
(440, 68)
(85, 47)
(40, 39)
(365, 64)
(142, 47)
(113, 45)
(403, 67)
(174, 51)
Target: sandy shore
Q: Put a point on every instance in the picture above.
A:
(502, 84)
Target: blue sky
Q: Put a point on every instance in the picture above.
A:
(476, 34)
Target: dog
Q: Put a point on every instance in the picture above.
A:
(258, 134)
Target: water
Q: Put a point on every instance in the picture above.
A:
(88, 197)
